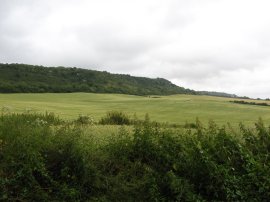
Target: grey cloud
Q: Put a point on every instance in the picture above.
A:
(205, 45)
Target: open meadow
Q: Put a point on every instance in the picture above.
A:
(173, 109)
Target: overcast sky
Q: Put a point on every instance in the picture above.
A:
(216, 45)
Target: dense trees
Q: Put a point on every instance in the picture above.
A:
(22, 78)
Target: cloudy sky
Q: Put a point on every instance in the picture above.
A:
(216, 45)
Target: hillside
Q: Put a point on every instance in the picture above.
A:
(21, 78)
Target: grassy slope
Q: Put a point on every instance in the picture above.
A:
(173, 109)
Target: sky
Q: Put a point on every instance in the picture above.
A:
(214, 45)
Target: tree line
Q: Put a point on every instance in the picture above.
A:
(250, 103)
(23, 78)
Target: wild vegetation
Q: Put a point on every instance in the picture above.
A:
(250, 103)
(43, 158)
(21, 78)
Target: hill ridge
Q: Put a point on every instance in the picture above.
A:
(24, 78)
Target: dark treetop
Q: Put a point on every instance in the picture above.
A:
(22, 78)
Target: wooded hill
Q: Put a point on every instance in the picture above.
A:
(22, 78)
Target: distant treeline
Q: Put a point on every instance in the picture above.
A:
(22, 78)
(218, 94)
(250, 103)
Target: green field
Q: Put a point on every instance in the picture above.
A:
(172, 109)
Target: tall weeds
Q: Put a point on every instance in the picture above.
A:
(44, 159)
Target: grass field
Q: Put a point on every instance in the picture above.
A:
(172, 109)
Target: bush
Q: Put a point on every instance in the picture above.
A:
(190, 125)
(115, 118)
(84, 119)
(42, 160)
(39, 162)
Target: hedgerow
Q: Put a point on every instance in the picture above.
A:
(45, 159)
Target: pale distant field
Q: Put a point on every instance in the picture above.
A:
(172, 109)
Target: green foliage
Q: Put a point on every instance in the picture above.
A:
(84, 119)
(115, 118)
(21, 78)
(42, 159)
(190, 125)
(250, 103)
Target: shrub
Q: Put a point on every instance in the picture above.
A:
(84, 119)
(190, 125)
(40, 161)
(115, 118)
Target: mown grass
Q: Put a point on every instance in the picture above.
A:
(173, 109)
(43, 158)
